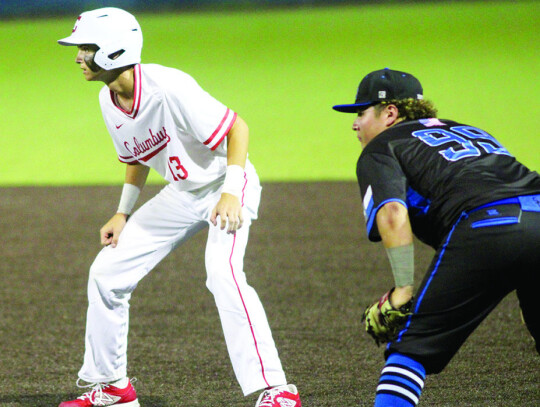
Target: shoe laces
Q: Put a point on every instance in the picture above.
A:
(266, 401)
(267, 398)
(96, 394)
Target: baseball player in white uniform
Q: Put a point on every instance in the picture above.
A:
(160, 118)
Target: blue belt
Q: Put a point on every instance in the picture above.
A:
(505, 201)
(528, 203)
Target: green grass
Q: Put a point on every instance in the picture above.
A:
(281, 70)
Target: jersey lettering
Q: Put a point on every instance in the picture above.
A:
(483, 139)
(468, 142)
(148, 148)
(178, 171)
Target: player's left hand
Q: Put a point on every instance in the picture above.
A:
(383, 322)
(229, 211)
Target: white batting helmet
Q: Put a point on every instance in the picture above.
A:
(115, 31)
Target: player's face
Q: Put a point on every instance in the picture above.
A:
(368, 124)
(85, 55)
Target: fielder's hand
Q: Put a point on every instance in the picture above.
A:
(229, 210)
(383, 321)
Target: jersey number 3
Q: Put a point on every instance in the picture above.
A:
(178, 171)
(468, 142)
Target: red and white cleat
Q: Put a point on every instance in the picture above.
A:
(280, 396)
(103, 394)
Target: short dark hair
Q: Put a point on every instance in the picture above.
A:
(410, 109)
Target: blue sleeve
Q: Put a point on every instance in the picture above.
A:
(381, 181)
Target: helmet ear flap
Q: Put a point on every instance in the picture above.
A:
(116, 54)
(90, 63)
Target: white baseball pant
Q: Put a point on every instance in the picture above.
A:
(158, 227)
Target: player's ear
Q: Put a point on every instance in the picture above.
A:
(391, 114)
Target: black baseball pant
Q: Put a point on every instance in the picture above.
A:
(489, 253)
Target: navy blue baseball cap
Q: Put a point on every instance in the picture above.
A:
(381, 85)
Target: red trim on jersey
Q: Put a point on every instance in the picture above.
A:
(137, 90)
(127, 159)
(226, 132)
(242, 298)
(220, 129)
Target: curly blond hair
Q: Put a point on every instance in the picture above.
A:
(410, 109)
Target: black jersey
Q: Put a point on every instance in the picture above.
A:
(437, 169)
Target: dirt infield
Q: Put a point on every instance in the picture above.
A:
(312, 266)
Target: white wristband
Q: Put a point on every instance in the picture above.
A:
(130, 194)
(234, 181)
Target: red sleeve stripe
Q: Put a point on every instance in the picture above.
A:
(219, 134)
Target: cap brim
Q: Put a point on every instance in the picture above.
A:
(354, 108)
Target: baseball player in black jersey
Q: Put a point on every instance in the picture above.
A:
(458, 190)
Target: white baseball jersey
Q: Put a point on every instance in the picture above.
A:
(178, 129)
(174, 127)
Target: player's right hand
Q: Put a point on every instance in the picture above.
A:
(110, 232)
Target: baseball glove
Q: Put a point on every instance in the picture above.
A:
(383, 321)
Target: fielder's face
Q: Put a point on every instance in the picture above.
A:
(368, 124)
(85, 57)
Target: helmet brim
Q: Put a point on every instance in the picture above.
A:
(74, 40)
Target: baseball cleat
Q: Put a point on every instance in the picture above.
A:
(280, 396)
(103, 394)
